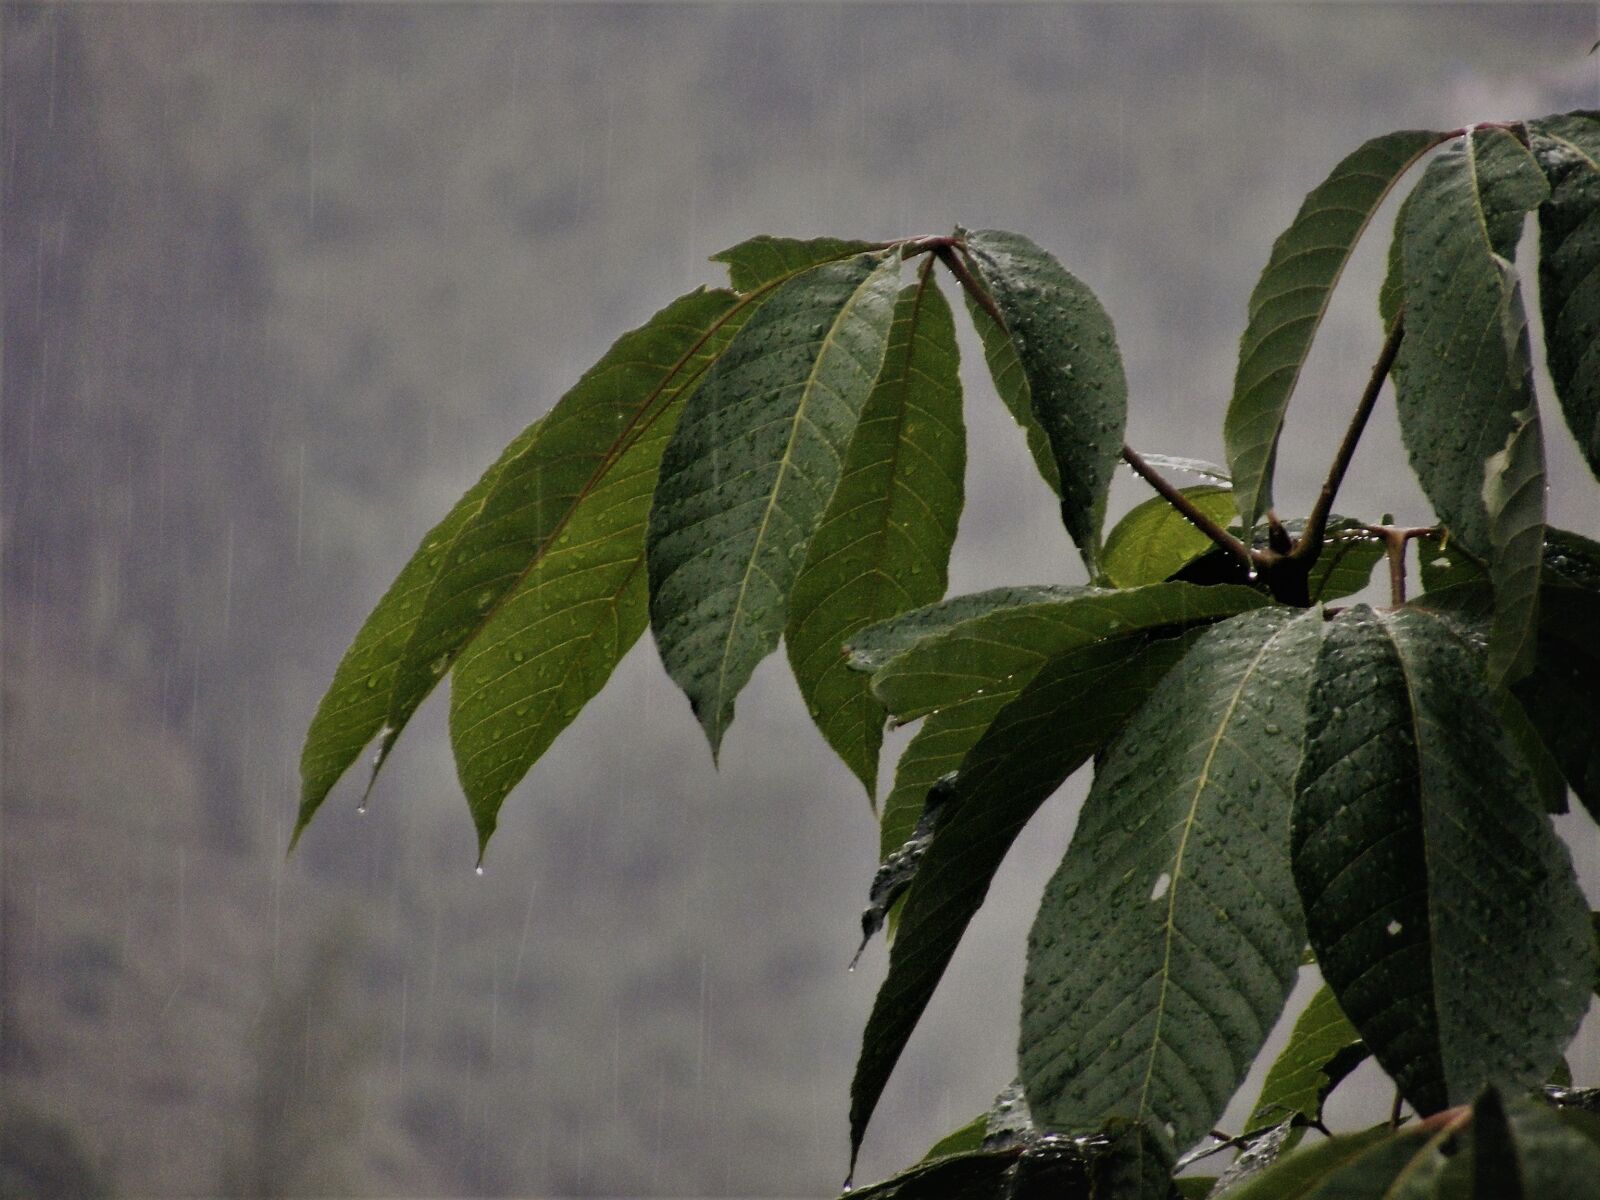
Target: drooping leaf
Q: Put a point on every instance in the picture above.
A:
(870, 648)
(1068, 355)
(1513, 497)
(1289, 299)
(961, 679)
(1011, 385)
(749, 470)
(1440, 902)
(1169, 938)
(1155, 540)
(1461, 375)
(762, 260)
(1568, 149)
(502, 529)
(1323, 1048)
(1535, 754)
(352, 712)
(884, 543)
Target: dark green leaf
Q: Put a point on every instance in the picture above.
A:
(1289, 299)
(1011, 385)
(1323, 1048)
(1258, 1154)
(1023, 754)
(869, 649)
(749, 471)
(353, 711)
(1535, 754)
(1068, 354)
(960, 1141)
(884, 543)
(1168, 940)
(1343, 567)
(974, 1175)
(1568, 149)
(1462, 370)
(1496, 1173)
(1358, 1166)
(961, 679)
(1523, 1150)
(1440, 903)
(1513, 495)
(762, 260)
(1155, 540)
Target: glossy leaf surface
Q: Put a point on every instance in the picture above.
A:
(1068, 354)
(749, 471)
(1568, 149)
(1290, 297)
(762, 260)
(1154, 540)
(1440, 903)
(884, 543)
(1169, 938)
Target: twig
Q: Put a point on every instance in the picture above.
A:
(1310, 543)
(1193, 515)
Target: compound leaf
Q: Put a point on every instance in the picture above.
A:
(1170, 936)
(1290, 297)
(884, 542)
(1068, 354)
(1440, 902)
(751, 467)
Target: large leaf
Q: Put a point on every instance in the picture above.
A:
(1170, 936)
(1462, 371)
(884, 543)
(1041, 664)
(1011, 385)
(1323, 1048)
(870, 648)
(1155, 540)
(1068, 354)
(765, 259)
(749, 470)
(1513, 497)
(1290, 297)
(1568, 148)
(960, 679)
(502, 528)
(1523, 1150)
(1358, 1166)
(1440, 902)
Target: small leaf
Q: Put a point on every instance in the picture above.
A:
(1292, 294)
(1155, 540)
(1568, 150)
(1068, 354)
(1170, 936)
(1461, 374)
(884, 543)
(1323, 1048)
(960, 1141)
(749, 471)
(1440, 902)
(762, 260)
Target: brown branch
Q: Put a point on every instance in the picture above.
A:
(969, 281)
(1310, 543)
(1250, 558)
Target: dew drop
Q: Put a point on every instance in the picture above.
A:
(1163, 882)
(478, 870)
(1392, 928)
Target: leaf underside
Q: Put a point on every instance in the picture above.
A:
(1290, 298)
(883, 546)
(1168, 940)
(1440, 902)
(749, 471)
(1323, 1048)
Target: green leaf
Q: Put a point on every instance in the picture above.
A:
(353, 711)
(1039, 665)
(960, 1141)
(1068, 354)
(869, 649)
(1536, 756)
(1155, 540)
(1343, 567)
(1522, 1150)
(884, 543)
(1358, 1166)
(1193, 466)
(1170, 936)
(762, 260)
(1513, 496)
(1568, 149)
(1461, 374)
(1011, 385)
(499, 533)
(1440, 902)
(1289, 299)
(1323, 1048)
(749, 471)
(961, 679)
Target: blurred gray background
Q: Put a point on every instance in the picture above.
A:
(280, 281)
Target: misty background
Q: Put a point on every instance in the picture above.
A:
(281, 280)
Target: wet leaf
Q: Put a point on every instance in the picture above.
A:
(884, 543)
(1358, 1166)
(1513, 496)
(871, 648)
(1170, 936)
(1568, 149)
(1323, 1048)
(1067, 350)
(1155, 540)
(765, 259)
(1258, 1154)
(1208, 471)
(1440, 902)
(1523, 1150)
(1289, 299)
(749, 471)
(1011, 385)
